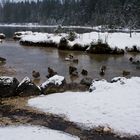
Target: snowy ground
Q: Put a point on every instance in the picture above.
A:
(113, 106)
(32, 133)
(120, 40)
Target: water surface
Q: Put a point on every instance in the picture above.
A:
(21, 60)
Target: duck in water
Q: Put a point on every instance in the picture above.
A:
(102, 70)
(35, 74)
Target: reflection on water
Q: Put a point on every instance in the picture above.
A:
(26, 59)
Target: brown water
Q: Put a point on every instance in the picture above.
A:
(21, 60)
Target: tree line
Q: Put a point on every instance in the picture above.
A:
(114, 13)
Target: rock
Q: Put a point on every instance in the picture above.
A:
(92, 87)
(86, 81)
(73, 86)
(53, 85)
(84, 72)
(107, 130)
(116, 79)
(137, 62)
(2, 36)
(2, 60)
(8, 86)
(51, 72)
(27, 88)
(35, 74)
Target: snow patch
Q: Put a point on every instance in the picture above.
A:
(110, 105)
(33, 133)
(6, 80)
(56, 79)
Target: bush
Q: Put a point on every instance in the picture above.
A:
(59, 29)
(63, 45)
(99, 48)
(72, 36)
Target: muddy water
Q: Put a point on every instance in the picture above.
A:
(21, 60)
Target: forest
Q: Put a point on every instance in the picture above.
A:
(114, 13)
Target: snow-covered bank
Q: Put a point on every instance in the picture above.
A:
(33, 133)
(118, 42)
(113, 106)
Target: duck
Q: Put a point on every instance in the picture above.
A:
(125, 73)
(84, 72)
(102, 70)
(35, 74)
(51, 72)
(131, 59)
(69, 58)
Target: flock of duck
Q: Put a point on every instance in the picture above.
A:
(74, 72)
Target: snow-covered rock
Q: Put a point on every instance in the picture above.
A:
(27, 88)
(2, 36)
(20, 34)
(53, 84)
(115, 106)
(8, 86)
(33, 133)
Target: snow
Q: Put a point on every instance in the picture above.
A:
(56, 79)
(6, 80)
(115, 106)
(22, 34)
(42, 37)
(119, 40)
(25, 80)
(1, 34)
(33, 133)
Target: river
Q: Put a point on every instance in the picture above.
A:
(22, 60)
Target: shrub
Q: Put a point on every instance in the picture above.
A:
(63, 45)
(71, 36)
(59, 29)
(99, 48)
